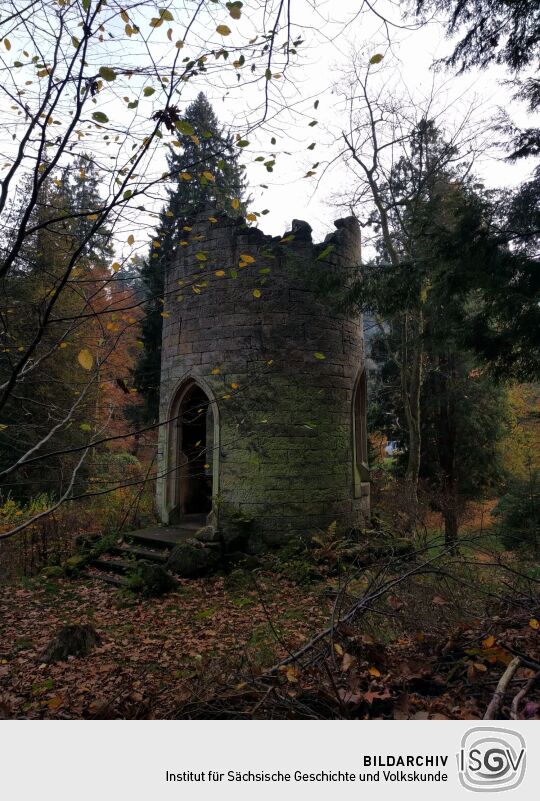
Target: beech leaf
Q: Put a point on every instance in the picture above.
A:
(85, 359)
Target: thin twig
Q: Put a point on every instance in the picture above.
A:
(494, 706)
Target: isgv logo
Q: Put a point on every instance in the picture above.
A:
(491, 760)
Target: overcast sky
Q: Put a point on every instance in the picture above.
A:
(326, 55)
(330, 31)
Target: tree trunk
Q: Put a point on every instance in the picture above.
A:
(411, 384)
(451, 527)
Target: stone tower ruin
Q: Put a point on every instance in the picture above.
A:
(263, 383)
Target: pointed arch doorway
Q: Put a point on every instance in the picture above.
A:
(193, 449)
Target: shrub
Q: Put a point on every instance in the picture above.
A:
(518, 513)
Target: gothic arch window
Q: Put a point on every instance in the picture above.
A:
(360, 434)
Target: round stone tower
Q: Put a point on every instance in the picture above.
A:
(263, 386)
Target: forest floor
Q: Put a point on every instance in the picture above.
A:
(432, 647)
(151, 650)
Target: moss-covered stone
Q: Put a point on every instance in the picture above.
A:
(75, 640)
(188, 560)
(150, 579)
(75, 564)
(52, 572)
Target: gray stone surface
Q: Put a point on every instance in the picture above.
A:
(279, 360)
(189, 559)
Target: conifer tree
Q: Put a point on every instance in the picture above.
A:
(205, 172)
(54, 382)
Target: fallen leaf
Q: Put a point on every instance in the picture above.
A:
(348, 660)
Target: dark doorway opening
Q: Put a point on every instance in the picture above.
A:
(360, 434)
(195, 429)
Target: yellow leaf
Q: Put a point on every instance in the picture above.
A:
(130, 239)
(224, 30)
(292, 674)
(220, 273)
(208, 176)
(124, 16)
(235, 203)
(169, 214)
(246, 258)
(212, 220)
(376, 59)
(115, 266)
(185, 176)
(251, 217)
(165, 314)
(375, 672)
(534, 624)
(234, 386)
(156, 244)
(338, 649)
(187, 228)
(56, 702)
(85, 359)
(319, 356)
(257, 293)
(7, 44)
(216, 371)
(92, 216)
(63, 345)
(489, 642)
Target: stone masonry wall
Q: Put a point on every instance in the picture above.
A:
(281, 364)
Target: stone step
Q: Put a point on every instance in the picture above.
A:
(109, 578)
(161, 537)
(149, 554)
(114, 565)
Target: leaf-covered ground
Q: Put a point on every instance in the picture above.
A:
(151, 649)
(432, 647)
